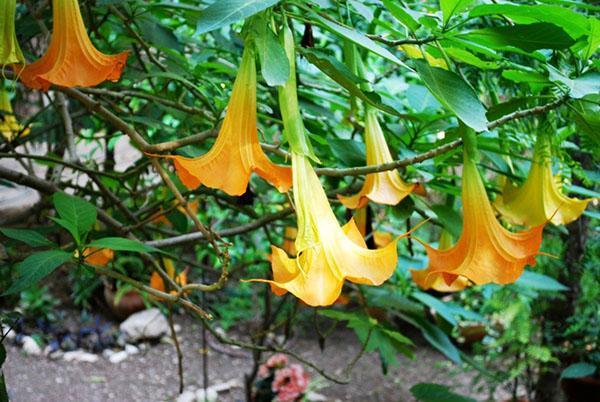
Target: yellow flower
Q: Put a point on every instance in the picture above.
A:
(540, 198)
(157, 282)
(380, 239)
(10, 52)
(327, 253)
(9, 126)
(384, 187)
(71, 59)
(486, 252)
(236, 152)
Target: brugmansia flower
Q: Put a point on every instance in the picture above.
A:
(380, 239)
(157, 282)
(100, 257)
(436, 281)
(383, 187)
(236, 152)
(9, 126)
(327, 253)
(71, 59)
(486, 252)
(540, 198)
(10, 52)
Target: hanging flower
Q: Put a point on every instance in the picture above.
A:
(486, 252)
(383, 187)
(71, 59)
(540, 198)
(236, 152)
(381, 239)
(157, 282)
(327, 253)
(436, 280)
(100, 257)
(10, 52)
(289, 238)
(9, 126)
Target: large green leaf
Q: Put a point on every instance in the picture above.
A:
(436, 304)
(428, 392)
(530, 37)
(453, 7)
(36, 267)
(29, 237)
(578, 370)
(122, 244)
(225, 12)
(76, 215)
(536, 281)
(454, 93)
(274, 63)
(578, 87)
(402, 14)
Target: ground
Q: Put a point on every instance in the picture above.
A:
(152, 375)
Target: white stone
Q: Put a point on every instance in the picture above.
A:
(131, 350)
(177, 328)
(147, 324)
(211, 395)
(9, 334)
(187, 396)
(118, 357)
(107, 353)
(314, 397)
(226, 386)
(57, 354)
(30, 346)
(80, 356)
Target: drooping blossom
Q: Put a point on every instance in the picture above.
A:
(290, 383)
(157, 282)
(540, 199)
(486, 252)
(236, 152)
(10, 52)
(9, 126)
(71, 59)
(100, 257)
(383, 187)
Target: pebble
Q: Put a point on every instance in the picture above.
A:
(147, 324)
(107, 353)
(131, 350)
(10, 335)
(80, 356)
(30, 346)
(187, 396)
(57, 354)
(210, 396)
(118, 357)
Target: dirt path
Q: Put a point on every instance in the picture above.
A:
(152, 374)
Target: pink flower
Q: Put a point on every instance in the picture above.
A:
(277, 361)
(263, 371)
(289, 383)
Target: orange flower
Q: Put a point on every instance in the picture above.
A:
(10, 52)
(383, 187)
(99, 257)
(71, 59)
(157, 282)
(327, 253)
(381, 239)
(540, 198)
(289, 236)
(236, 152)
(486, 252)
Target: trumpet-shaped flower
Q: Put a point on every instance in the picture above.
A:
(96, 256)
(157, 282)
(540, 198)
(327, 253)
(9, 126)
(10, 52)
(71, 59)
(236, 152)
(383, 187)
(486, 252)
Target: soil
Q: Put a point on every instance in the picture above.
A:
(152, 374)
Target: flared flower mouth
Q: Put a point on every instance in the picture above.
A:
(236, 152)
(327, 253)
(540, 199)
(10, 52)
(71, 59)
(486, 252)
(384, 187)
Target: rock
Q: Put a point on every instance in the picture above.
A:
(147, 324)
(118, 357)
(226, 386)
(314, 397)
(131, 350)
(31, 347)
(107, 353)
(9, 333)
(57, 354)
(177, 328)
(211, 395)
(80, 356)
(187, 396)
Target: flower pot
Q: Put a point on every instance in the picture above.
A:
(130, 303)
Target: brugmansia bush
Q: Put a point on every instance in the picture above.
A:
(175, 143)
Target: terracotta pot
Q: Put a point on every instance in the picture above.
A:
(583, 389)
(130, 303)
(473, 333)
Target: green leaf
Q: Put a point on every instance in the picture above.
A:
(451, 219)
(436, 304)
(531, 37)
(29, 237)
(453, 93)
(36, 267)
(78, 216)
(438, 339)
(587, 116)
(578, 370)
(533, 280)
(464, 56)
(593, 38)
(453, 7)
(401, 14)
(530, 77)
(122, 244)
(351, 153)
(428, 392)
(579, 87)
(225, 12)
(361, 40)
(274, 63)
